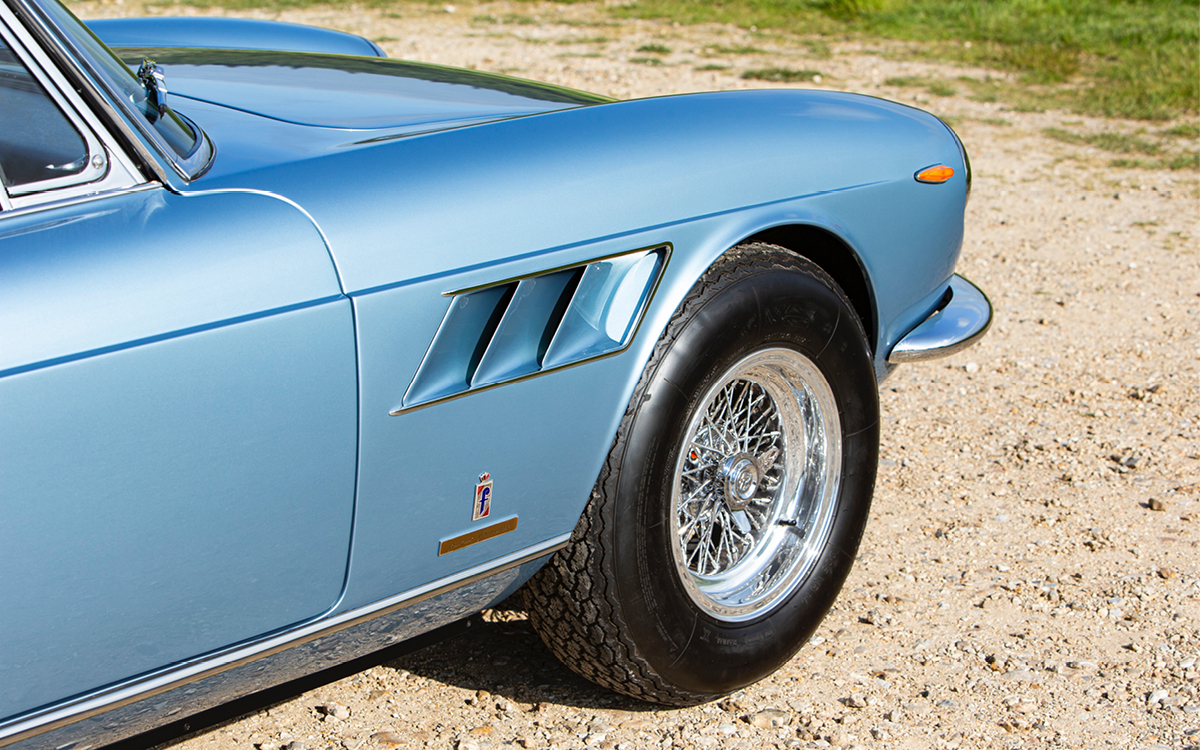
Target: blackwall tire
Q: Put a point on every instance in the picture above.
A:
(637, 602)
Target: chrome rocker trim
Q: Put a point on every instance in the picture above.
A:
(960, 321)
(122, 711)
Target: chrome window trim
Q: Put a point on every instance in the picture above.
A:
(117, 180)
(60, 198)
(148, 146)
(116, 170)
(116, 696)
(5, 202)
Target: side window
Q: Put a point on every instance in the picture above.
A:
(37, 141)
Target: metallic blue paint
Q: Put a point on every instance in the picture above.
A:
(333, 91)
(197, 378)
(178, 417)
(75, 283)
(230, 33)
(199, 487)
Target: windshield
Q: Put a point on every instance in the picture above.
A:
(182, 140)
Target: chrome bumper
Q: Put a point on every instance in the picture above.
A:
(958, 323)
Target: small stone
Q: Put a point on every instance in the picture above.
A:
(387, 738)
(1188, 663)
(298, 745)
(1156, 697)
(1156, 504)
(1082, 665)
(335, 711)
(971, 367)
(893, 715)
(595, 738)
(1167, 573)
(768, 719)
(856, 701)
(732, 705)
(727, 729)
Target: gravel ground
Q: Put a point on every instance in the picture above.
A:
(1030, 577)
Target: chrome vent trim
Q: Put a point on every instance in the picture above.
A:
(523, 327)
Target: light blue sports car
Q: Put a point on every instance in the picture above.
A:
(305, 352)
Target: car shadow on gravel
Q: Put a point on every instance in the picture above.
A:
(501, 654)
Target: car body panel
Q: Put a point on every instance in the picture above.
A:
(588, 173)
(229, 33)
(72, 264)
(179, 423)
(335, 91)
(582, 175)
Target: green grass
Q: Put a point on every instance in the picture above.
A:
(1121, 143)
(657, 49)
(1188, 160)
(740, 49)
(1134, 144)
(780, 75)
(935, 87)
(905, 81)
(1128, 58)
(584, 40)
(941, 88)
(818, 48)
(646, 60)
(1185, 130)
(710, 67)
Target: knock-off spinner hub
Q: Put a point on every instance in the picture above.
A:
(740, 476)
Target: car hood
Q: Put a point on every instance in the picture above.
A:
(345, 92)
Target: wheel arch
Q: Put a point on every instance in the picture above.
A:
(836, 258)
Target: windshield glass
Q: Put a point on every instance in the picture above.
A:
(168, 128)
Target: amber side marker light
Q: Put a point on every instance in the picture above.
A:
(935, 175)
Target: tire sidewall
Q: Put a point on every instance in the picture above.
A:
(749, 309)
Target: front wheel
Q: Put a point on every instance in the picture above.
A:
(733, 499)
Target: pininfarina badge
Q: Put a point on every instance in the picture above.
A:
(483, 497)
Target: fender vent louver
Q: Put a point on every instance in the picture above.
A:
(523, 327)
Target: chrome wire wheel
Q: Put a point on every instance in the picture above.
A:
(755, 484)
